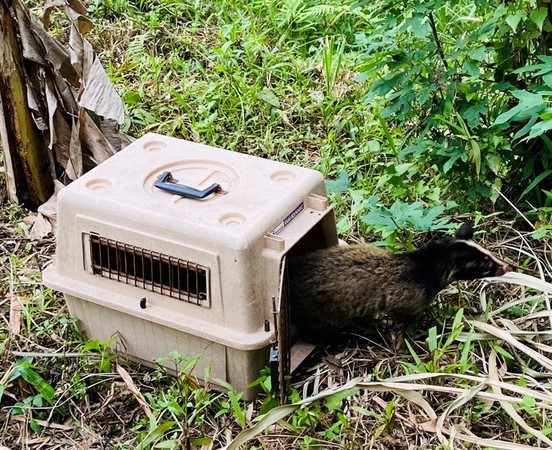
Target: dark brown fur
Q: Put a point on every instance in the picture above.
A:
(331, 289)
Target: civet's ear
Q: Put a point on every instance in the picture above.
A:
(465, 232)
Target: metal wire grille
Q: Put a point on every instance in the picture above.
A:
(174, 277)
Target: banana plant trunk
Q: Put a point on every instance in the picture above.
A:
(28, 176)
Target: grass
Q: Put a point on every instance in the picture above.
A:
(277, 79)
(270, 79)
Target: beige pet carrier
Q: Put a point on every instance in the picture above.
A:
(172, 245)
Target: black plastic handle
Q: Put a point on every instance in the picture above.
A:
(167, 183)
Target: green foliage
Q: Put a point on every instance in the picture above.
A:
(179, 412)
(278, 84)
(39, 392)
(107, 357)
(440, 348)
(532, 118)
(265, 382)
(447, 75)
(393, 222)
(25, 369)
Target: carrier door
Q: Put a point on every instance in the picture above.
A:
(311, 226)
(288, 352)
(280, 352)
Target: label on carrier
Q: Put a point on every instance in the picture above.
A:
(284, 223)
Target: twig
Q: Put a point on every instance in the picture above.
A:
(437, 41)
(56, 355)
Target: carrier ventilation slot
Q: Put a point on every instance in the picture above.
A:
(167, 275)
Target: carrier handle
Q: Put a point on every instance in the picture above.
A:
(167, 183)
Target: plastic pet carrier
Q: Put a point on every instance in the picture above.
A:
(173, 245)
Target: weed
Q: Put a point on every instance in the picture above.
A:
(181, 409)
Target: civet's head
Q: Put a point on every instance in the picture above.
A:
(470, 261)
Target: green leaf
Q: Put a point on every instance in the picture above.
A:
(380, 88)
(239, 413)
(528, 99)
(377, 219)
(473, 113)
(538, 16)
(514, 19)
(539, 128)
(494, 162)
(383, 180)
(37, 401)
(419, 26)
(132, 98)
(475, 156)
(466, 351)
(196, 442)
(373, 146)
(420, 365)
(542, 69)
(268, 404)
(35, 426)
(471, 68)
(268, 96)
(547, 78)
(529, 401)
(35, 380)
(386, 132)
(93, 345)
(340, 185)
(546, 59)
(503, 352)
(535, 182)
(526, 128)
(528, 105)
(432, 339)
(189, 363)
(333, 402)
(450, 162)
(479, 54)
(156, 434)
(171, 443)
(540, 233)
(362, 77)
(401, 169)
(395, 107)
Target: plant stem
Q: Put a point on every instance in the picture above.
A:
(437, 41)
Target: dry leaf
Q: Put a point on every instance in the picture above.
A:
(74, 167)
(30, 218)
(15, 313)
(39, 46)
(48, 7)
(43, 423)
(132, 387)
(429, 426)
(380, 402)
(93, 140)
(97, 93)
(40, 229)
(49, 209)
